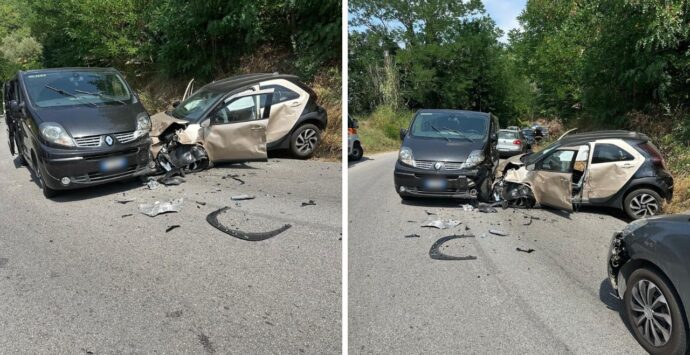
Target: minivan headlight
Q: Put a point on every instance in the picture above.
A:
(405, 156)
(55, 134)
(475, 158)
(143, 125)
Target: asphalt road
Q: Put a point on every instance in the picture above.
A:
(555, 300)
(86, 274)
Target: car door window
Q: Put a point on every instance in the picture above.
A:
(560, 161)
(239, 110)
(609, 153)
(281, 94)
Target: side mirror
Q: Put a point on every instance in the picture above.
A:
(14, 106)
(494, 137)
(205, 123)
(403, 133)
(176, 103)
(530, 167)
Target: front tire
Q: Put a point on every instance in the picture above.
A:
(47, 191)
(304, 141)
(357, 152)
(653, 311)
(642, 203)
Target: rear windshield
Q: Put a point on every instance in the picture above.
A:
(66, 88)
(450, 125)
(507, 135)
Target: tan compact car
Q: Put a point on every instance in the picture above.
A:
(238, 119)
(618, 169)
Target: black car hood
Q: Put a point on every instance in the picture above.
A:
(439, 149)
(81, 121)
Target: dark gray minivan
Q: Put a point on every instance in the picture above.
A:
(77, 127)
(448, 153)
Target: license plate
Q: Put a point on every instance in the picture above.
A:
(113, 164)
(435, 184)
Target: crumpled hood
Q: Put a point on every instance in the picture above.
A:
(439, 149)
(161, 121)
(83, 121)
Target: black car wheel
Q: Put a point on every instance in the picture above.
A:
(485, 190)
(304, 141)
(357, 152)
(642, 203)
(47, 191)
(654, 313)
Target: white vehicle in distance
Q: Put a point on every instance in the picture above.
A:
(511, 143)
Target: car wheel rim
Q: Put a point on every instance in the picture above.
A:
(651, 313)
(644, 205)
(306, 141)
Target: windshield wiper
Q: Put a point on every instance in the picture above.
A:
(101, 94)
(458, 132)
(437, 130)
(65, 93)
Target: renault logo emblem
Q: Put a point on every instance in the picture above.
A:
(108, 140)
(438, 165)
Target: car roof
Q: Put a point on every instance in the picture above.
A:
(466, 112)
(585, 137)
(239, 81)
(66, 69)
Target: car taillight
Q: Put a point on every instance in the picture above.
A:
(654, 154)
(352, 131)
(517, 142)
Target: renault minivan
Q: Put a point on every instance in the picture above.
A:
(77, 127)
(448, 153)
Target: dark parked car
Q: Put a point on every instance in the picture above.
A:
(447, 153)
(529, 136)
(648, 267)
(77, 127)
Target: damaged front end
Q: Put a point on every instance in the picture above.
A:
(175, 148)
(618, 256)
(510, 186)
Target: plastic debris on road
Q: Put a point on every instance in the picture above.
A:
(159, 207)
(242, 197)
(440, 224)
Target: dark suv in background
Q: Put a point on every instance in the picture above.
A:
(77, 127)
(448, 153)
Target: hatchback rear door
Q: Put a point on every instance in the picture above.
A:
(612, 164)
(236, 130)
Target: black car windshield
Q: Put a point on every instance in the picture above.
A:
(450, 125)
(194, 106)
(67, 88)
(532, 158)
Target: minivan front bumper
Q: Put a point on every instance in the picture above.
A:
(464, 183)
(84, 166)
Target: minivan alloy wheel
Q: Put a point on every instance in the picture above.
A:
(644, 205)
(306, 141)
(651, 312)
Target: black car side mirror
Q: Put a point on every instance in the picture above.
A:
(14, 106)
(494, 137)
(403, 133)
(175, 104)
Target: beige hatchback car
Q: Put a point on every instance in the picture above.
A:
(619, 169)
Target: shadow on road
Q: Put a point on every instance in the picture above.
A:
(353, 163)
(96, 191)
(608, 297)
(433, 202)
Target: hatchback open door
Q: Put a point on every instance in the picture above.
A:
(552, 180)
(236, 130)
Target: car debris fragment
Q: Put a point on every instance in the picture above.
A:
(234, 177)
(242, 197)
(524, 250)
(152, 184)
(498, 232)
(200, 203)
(212, 219)
(168, 180)
(172, 227)
(486, 208)
(310, 203)
(159, 207)
(467, 208)
(126, 215)
(429, 213)
(413, 236)
(440, 224)
(435, 251)
(126, 201)
(527, 222)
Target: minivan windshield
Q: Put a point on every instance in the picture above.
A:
(450, 125)
(194, 106)
(67, 88)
